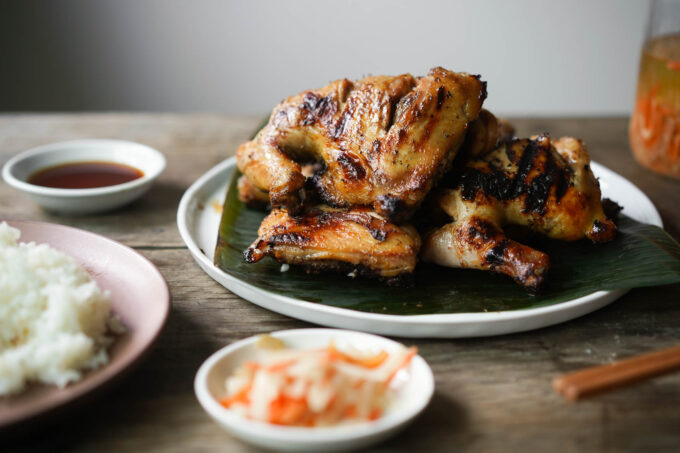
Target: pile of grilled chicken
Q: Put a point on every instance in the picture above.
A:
(349, 169)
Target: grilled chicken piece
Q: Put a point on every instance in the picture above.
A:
(357, 241)
(257, 198)
(381, 141)
(528, 182)
(251, 195)
(485, 134)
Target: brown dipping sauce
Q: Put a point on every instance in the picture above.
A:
(84, 175)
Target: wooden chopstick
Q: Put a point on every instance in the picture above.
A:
(584, 383)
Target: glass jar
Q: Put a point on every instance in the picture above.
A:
(654, 128)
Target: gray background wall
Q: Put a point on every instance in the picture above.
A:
(242, 57)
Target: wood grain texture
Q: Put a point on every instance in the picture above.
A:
(492, 394)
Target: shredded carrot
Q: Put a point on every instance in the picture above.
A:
(673, 65)
(287, 411)
(309, 423)
(350, 411)
(278, 366)
(345, 389)
(657, 127)
(366, 362)
(242, 396)
(412, 351)
(328, 375)
(375, 414)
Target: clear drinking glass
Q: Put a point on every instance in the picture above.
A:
(654, 128)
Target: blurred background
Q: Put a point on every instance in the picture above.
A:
(550, 58)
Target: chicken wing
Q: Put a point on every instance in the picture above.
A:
(543, 185)
(381, 141)
(357, 241)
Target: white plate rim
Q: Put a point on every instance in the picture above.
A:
(376, 322)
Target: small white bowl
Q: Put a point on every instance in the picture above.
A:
(415, 387)
(84, 201)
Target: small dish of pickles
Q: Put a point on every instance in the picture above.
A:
(314, 389)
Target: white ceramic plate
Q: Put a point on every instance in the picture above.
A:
(198, 224)
(413, 391)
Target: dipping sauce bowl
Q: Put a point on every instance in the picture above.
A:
(148, 161)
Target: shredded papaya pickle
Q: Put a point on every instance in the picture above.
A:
(314, 387)
(655, 124)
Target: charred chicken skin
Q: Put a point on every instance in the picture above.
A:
(381, 141)
(357, 241)
(541, 184)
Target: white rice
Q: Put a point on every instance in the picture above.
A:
(53, 316)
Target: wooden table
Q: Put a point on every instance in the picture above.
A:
(492, 394)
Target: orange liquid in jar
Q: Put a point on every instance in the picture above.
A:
(655, 124)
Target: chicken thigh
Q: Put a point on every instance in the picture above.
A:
(357, 241)
(544, 185)
(381, 141)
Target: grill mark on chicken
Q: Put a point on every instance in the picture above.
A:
(321, 191)
(352, 168)
(394, 105)
(510, 152)
(441, 93)
(253, 254)
(315, 218)
(480, 228)
(289, 238)
(538, 190)
(496, 254)
(338, 130)
(403, 105)
(376, 227)
(499, 184)
(393, 207)
(484, 93)
(562, 184)
(430, 125)
(526, 163)
(495, 184)
(319, 109)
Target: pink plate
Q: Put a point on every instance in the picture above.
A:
(140, 298)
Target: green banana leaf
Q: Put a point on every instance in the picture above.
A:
(641, 255)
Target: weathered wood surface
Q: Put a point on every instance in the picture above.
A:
(492, 394)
